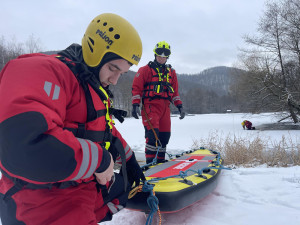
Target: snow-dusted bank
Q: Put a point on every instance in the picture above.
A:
(193, 128)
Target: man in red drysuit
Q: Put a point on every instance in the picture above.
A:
(247, 124)
(156, 85)
(58, 143)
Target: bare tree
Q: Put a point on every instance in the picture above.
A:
(33, 44)
(9, 50)
(12, 49)
(273, 62)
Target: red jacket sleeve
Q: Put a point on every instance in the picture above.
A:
(35, 93)
(140, 78)
(175, 98)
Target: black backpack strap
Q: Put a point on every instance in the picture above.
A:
(18, 185)
(82, 75)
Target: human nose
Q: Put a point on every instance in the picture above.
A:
(114, 79)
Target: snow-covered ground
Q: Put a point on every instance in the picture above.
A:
(195, 127)
(244, 196)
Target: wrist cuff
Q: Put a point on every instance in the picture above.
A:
(105, 162)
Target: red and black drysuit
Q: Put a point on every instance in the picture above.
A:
(248, 124)
(156, 86)
(53, 128)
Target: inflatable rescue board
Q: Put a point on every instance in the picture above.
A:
(198, 172)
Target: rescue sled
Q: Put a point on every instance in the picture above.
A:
(198, 172)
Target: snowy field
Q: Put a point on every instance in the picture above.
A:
(195, 127)
(244, 196)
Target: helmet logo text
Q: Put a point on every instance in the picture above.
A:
(104, 37)
(136, 58)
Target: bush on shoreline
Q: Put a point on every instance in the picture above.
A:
(252, 151)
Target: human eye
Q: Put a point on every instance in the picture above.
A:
(112, 68)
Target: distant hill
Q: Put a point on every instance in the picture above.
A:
(217, 79)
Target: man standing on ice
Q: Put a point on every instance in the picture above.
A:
(155, 86)
(58, 142)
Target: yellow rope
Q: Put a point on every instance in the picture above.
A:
(158, 211)
(134, 191)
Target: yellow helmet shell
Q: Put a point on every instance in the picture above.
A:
(109, 32)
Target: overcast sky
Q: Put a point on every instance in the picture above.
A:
(202, 33)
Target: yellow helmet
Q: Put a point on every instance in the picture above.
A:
(162, 49)
(109, 32)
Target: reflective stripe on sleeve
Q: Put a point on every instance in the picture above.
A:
(114, 208)
(128, 152)
(176, 98)
(135, 97)
(94, 160)
(88, 154)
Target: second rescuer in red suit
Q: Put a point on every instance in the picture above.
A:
(155, 86)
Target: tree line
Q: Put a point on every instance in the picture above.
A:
(271, 81)
(11, 49)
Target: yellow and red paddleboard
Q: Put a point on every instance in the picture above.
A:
(177, 193)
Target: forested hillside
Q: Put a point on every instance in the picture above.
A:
(206, 92)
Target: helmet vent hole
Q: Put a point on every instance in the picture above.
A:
(90, 47)
(104, 24)
(111, 29)
(117, 36)
(91, 40)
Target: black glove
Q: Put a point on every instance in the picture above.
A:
(136, 111)
(181, 111)
(134, 171)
